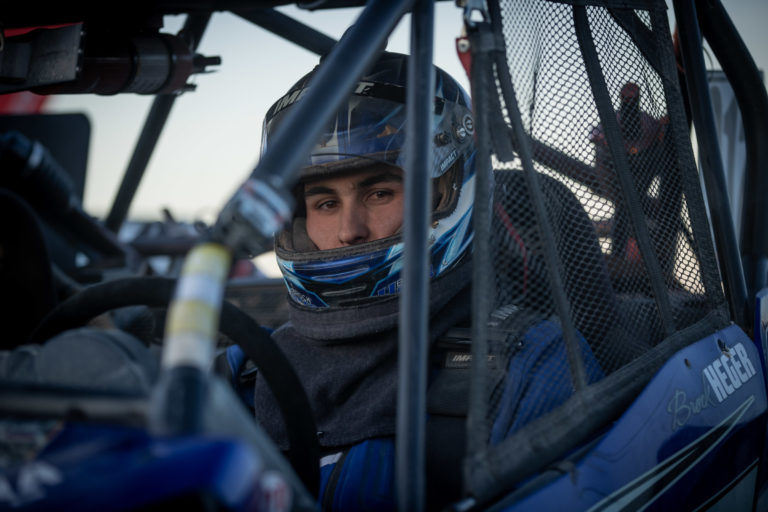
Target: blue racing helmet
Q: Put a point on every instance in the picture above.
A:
(371, 128)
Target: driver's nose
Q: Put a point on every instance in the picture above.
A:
(353, 225)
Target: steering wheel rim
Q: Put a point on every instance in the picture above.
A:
(155, 291)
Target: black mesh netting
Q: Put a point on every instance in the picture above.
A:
(599, 244)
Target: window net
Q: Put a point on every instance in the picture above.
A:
(596, 243)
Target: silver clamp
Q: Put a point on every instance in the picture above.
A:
(475, 11)
(250, 219)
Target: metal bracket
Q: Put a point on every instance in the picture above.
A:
(475, 11)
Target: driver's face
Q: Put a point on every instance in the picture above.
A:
(355, 208)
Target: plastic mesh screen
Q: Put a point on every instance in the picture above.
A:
(601, 248)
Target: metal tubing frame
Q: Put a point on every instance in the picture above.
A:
(289, 29)
(414, 310)
(711, 162)
(153, 126)
(743, 75)
(269, 19)
(193, 29)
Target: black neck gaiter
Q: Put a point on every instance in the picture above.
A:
(346, 358)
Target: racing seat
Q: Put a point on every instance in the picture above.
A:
(522, 274)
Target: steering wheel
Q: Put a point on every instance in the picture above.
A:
(304, 453)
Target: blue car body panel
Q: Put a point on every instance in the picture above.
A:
(93, 467)
(688, 439)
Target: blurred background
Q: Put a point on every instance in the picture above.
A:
(211, 140)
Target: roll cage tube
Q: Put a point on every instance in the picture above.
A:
(711, 163)
(289, 29)
(743, 75)
(263, 204)
(414, 311)
(268, 19)
(192, 32)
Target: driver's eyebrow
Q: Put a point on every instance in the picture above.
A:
(375, 179)
(318, 190)
(383, 177)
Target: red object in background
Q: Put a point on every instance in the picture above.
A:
(244, 268)
(23, 102)
(632, 251)
(12, 32)
(465, 56)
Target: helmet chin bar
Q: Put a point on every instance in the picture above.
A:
(351, 276)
